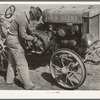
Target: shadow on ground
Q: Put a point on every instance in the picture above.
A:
(36, 61)
(18, 82)
(48, 77)
(3, 74)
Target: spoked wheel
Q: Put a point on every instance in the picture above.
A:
(3, 57)
(41, 45)
(10, 12)
(67, 69)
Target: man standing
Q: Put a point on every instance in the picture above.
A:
(18, 32)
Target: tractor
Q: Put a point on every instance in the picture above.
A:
(70, 35)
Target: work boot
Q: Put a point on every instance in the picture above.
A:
(9, 83)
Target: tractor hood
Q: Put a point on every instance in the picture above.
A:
(71, 15)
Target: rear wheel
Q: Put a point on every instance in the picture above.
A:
(67, 68)
(3, 57)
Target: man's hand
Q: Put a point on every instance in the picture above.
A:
(35, 39)
(29, 44)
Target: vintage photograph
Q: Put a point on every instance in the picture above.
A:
(49, 46)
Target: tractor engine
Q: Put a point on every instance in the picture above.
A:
(63, 35)
(68, 36)
(51, 37)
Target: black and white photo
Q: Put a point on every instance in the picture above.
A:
(50, 46)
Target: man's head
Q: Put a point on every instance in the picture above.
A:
(35, 13)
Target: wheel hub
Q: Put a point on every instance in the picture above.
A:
(64, 70)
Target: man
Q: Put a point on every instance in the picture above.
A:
(18, 32)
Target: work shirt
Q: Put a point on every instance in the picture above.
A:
(19, 27)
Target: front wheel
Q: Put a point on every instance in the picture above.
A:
(67, 68)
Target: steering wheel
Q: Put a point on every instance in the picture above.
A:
(10, 11)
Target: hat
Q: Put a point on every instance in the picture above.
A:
(36, 12)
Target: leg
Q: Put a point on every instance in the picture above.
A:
(10, 70)
(22, 65)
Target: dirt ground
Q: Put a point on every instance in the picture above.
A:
(41, 76)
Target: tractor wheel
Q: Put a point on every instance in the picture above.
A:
(3, 57)
(67, 68)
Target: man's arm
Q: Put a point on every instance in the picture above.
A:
(4, 25)
(22, 31)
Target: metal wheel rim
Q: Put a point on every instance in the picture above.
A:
(70, 73)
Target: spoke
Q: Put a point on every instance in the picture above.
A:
(59, 79)
(69, 65)
(62, 61)
(71, 82)
(5, 56)
(1, 61)
(75, 64)
(9, 14)
(76, 78)
(41, 46)
(56, 67)
(68, 59)
(75, 72)
(0, 58)
(10, 9)
(57, 59)
(57, 74)
(57, 71)
(62, 82)
(70, 74)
